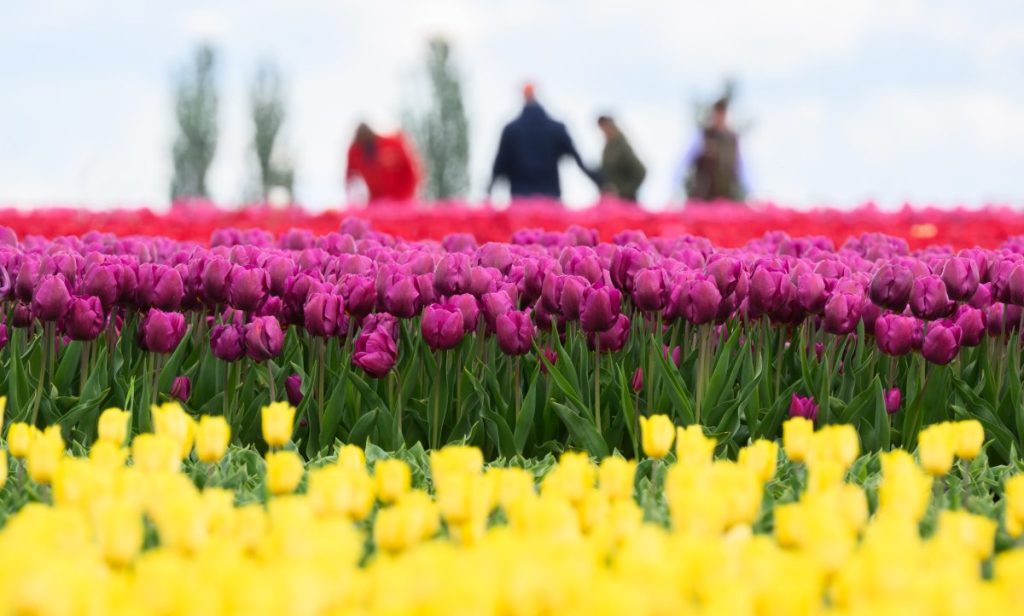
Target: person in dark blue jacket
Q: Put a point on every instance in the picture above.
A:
(529, 151)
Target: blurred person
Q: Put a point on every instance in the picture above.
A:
(714, 167)
(529, 151)
(621, 170)
(385, 163)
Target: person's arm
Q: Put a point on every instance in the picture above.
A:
(501, 160)
(569, 148)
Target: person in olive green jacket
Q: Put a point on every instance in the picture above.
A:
(622, 171)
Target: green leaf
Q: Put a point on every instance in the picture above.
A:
(725, 371)
(357, 435)
(333, 408)
(67, 367)
(524, 424)
(499, 432)
(172, 369)
(582, 430)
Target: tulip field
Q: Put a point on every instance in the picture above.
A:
(591, 420)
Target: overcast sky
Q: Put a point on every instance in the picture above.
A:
(843, 101)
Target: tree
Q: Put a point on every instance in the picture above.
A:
(442, 131)
(196, 113)
(268, 115)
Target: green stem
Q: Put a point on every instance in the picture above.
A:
(597, 383)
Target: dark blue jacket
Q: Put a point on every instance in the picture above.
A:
(529, 151)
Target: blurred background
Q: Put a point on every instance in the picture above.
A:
(835, 103)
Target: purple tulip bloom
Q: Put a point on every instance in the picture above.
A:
(161, 332)
(181, 388)
(842, 313)
(227, 342)
(961, 277)
(600, 308)
(452, 274)
(612, 339)
(160, 287)
(637, 383)
(696, 299)
(51, 298)
(324, 314)
(893, 399)
(470, 309)
(248, 288)
(264, 338)
(726, 271)
(811, 292)
(801, 406)
(375, 352)
(402, 297)
(101, 281)
(928, 298)
(891, 285)
(359, 293)
(650, 289)
(941, 342)
(494, 305)
(971, 322)
(626, 262)
(895, 334)
(293, 389)
(515, 332)
(84, 319)
(442, 326)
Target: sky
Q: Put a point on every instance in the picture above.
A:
(840, 102)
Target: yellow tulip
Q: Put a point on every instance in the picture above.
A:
(212, 437)
(797, 434)
(935, 448)
(171, 420)
(3, 409)
(284, 471)
(44, 455)
(277, 420)
(1014, 496)
(106, 454)
(615, 477)
(113, 425)
(352, 457)
(19, 438)
(969, 436)
(657, 432)
(155, 453)
(692, 447)
(393, 478)
(119, 532)
(3, 467)
(971, 533)
(761, 457)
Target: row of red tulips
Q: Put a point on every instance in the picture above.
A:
(725, 225)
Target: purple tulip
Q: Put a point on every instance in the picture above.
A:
(891, 285)
(1014, 291)
(600, 308)
(515, 332)
(214, 281)
(293, 389)
(650, 289)
(483, 280)
(402, 297)
(6, 284)
(452, 274)
(842, 313)
(494, 305)
(296, 289)
(570, 299)
(801, 406)
(697, 300)
(726, 271)
(676, 354)
(960, 275)
(160, 287)
(637, 383)
(264, 338)
(893, 399)
(51, 298)
(279, 269)
(375, 352)
(442, 326)
(928, 298)
(765, 295)
(28, 278)
(359, 293)
(470, 309)
(983, 297)
(101, 282)
(324, 314)
(612, 339)
(895, 334)
(227, 342)
(22, 316)
(1002, 318)
(161, 332)
(626, 262)
(493, 254)
(181, 388)
(971, 322)
(84, 319)
(248, 288)
(381, 320)
(811, 292)
(941, 342)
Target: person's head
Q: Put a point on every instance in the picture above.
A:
(529, 94)
(607, 126)
(364, 134)
(719, 113)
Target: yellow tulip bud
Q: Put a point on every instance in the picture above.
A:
(1014, 495)
(692, 447)
(3, 409)
(511, 485)
(212, 437)
(615, 476)
(761, 457)
(972, 533)
(171, 420)
(107, 454)
(113, 425)
(284, 471)
(119, 532)
(969, 436)
(905, 489)
(797, 434)
(657, 432)
(45, 454)
(393, 477)
(340, 491)
(278, 421)
(935, 446)
(155, 453)
(352, 457)
(19, 438)
(3, 467)
(572, 479)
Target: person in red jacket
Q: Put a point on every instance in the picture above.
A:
(385, 163)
